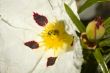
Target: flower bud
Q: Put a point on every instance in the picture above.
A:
(86, 44)
(95, 29)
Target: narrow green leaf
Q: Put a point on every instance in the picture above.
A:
(107, 23)
(100, 61)
(107, 58)
(105, 50)
(107, 27)
(89, 3)
(105, 42)
(74, 19)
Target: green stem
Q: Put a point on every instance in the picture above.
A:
(100, 61)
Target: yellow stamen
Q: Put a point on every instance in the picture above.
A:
(55, 37)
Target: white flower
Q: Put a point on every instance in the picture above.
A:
(18, 26)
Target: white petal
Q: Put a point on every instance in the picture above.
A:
(15, 57)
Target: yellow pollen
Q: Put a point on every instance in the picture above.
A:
(55, 37)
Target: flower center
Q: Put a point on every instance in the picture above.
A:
(55, 37)
(53, 32)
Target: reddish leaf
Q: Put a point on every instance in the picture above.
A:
(32, 44)
(51, 61)
(40, 19)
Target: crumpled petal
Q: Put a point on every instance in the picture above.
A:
(15, 57)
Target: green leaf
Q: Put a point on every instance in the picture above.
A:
(74, 19)
(107, 23)
(100, 61)
(105, 42)
(89, 3)
(105, 50)
(107, 27)
(107, 58)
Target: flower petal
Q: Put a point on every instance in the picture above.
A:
(18, 58)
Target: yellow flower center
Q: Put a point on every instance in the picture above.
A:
(55, 37)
